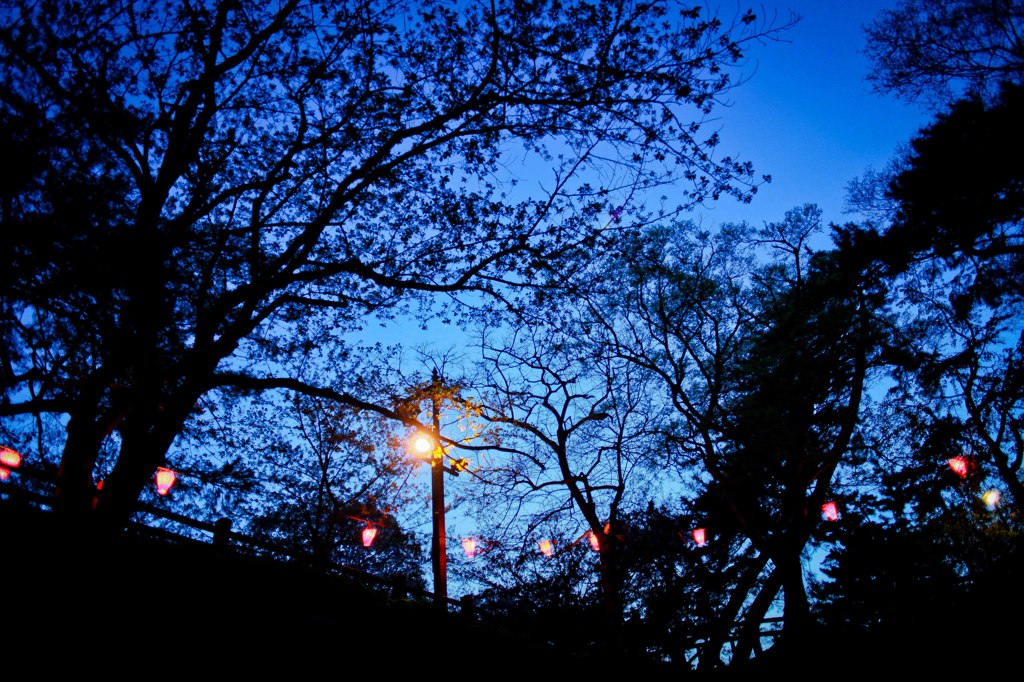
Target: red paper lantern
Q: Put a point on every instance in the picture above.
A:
(369, 533)
(700, 536)
(595, 542)
(547, 548)
(959, 466)
(830, 511)
(9, 459)
(165, 478)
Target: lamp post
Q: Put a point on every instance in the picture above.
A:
(432, 447)
(439, 542)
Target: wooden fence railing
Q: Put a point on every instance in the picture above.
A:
(221, 536)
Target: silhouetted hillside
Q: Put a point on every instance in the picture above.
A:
(76, 601)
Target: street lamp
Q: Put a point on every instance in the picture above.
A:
(429, 447)
(429, 444)
(432, 448)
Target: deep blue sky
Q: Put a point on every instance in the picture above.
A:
(807, 115)
(804, 115)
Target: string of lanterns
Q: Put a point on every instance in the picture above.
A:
(165, 478)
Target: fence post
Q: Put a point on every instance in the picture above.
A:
(399, 587)
(468, 606)
(221, 534)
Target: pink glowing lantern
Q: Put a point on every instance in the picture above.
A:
(595, 542)
(469, 547)
(9, 459)
(700, 536)
(958, 465)
(165, 478)
(830, 511)
(369, 534)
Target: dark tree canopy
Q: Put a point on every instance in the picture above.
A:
(207, 188)
(961, 195)
(936, 50)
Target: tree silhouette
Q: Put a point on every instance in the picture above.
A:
(212, 187)
(572, 442)
(765, 364)
(936, 51)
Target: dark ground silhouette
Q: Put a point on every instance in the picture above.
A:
(77, 604)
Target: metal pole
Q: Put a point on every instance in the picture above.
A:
(438, 554)
(438, 546)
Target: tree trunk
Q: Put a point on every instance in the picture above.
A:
(797, 610)
(145, 439)
(750, 635)
(711, 652)
(76, 489)
(611, 588)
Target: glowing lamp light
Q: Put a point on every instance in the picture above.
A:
(595, 542)
(423, 445)
(369, 533)
(830, 511)
(958, 465)
(469, 547)
(5, 473)
(9, 459)
(165, 478)
(700, 536)
(991, 499)
(547, 548)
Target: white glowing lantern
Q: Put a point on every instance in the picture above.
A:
(991, 499)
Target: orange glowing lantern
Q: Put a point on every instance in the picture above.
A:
(959, 466)
(5, 473)
(547, 548)
(9, 459)
(369, 534)
(595, 542)
(830, 511)
(700, 536)
(165, 478)
(469, 547)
